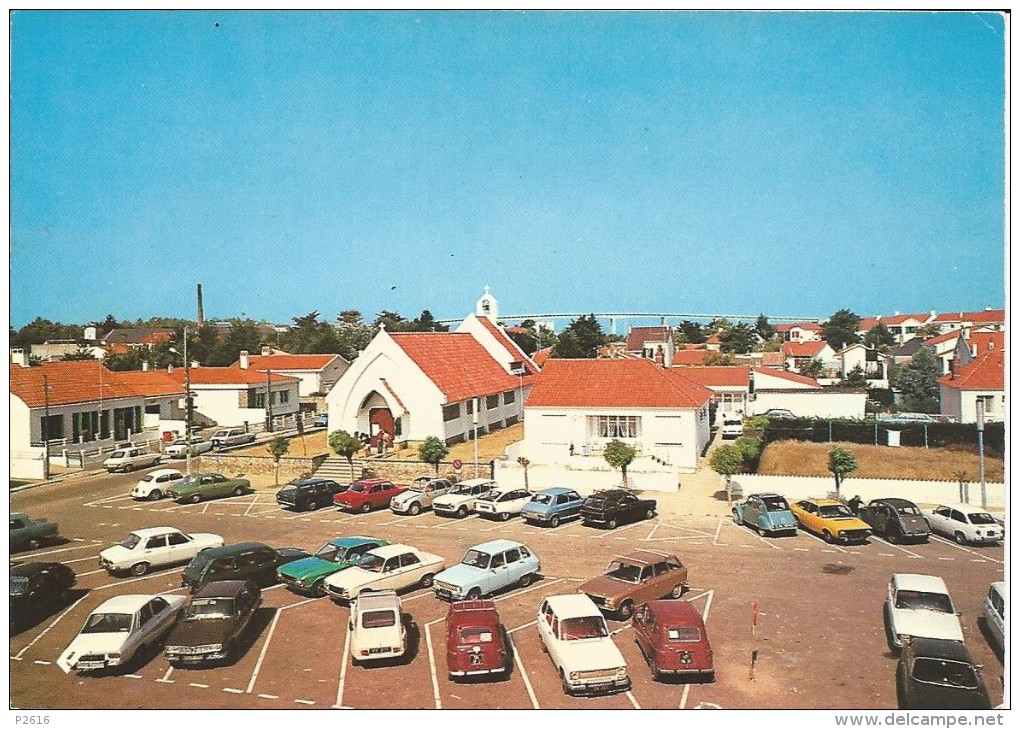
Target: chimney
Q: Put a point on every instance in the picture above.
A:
(19, 357)
(242, 359)
(90, 333)
(145, 366)
(170, 368)
(266, 351)
(659, 357)
(200, 318)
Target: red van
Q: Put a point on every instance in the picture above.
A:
(672, 638)
(475, 642)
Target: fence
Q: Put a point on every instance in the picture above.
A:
(925, 435)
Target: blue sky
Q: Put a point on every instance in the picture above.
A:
(786, 163)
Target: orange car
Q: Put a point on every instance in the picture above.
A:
(831, 520)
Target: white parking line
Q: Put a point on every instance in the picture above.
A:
(432, 661)
(835, 547)
(199, 685)
(139, 579)
(683, 697)
(47, 630)
(614, 532)
(166, 676)
(718, 529)
(759, 536)
(86, 574)
(57, 551)
(94, 558)
(262, 655)
(454, 521)
(396, 521)
(914, 555)
(343, 672)
(233, 691)
(304, 701)
(964, 549)
(540, 583)
(500, 525)
(520, 667)
(522, 627)
(268, 696)
(633, 700)
(108, 500)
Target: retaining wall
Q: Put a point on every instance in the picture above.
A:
(291, 467)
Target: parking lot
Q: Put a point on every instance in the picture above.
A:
(819, 639)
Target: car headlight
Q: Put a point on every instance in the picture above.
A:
(113, 657)
(841, 534)
(574, 675)
(621, 672)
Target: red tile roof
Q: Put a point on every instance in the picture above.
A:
(773, 359)
(868, 323)
(791, 376)
(152, 383)
(689, 356)
(637, 336)
(227, 376)
(541, 356)
(516, 353)
(985, 372)
(83, 381)
(615, 383)
(988, 316)
(900, 318)
(311, 362)
(986, 341)
(942, 338)
(803, 349)
(719, 376)
(458, 364)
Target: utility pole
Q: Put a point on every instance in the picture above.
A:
(981, 451)
(474, 419)
(269, 401)
(187, 401)
(46, 429)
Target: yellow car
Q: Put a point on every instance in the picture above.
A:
(831, 520)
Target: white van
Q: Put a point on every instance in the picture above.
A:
(995, 612)
(732, 426)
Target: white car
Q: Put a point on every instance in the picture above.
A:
(119, 629)
(154, 485)
(377, 627)
(155, 547)
(919, 606)
(231, 437)
(964, 523)
(393, 567)
(461, 499)
(575, 634)
(502, 505)
(732, 426)
(126, 459)
(995, 612)
(179, 448)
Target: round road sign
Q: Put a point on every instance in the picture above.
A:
(458, 464)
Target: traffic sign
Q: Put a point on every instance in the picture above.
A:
(458, 464)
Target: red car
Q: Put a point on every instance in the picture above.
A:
(672, 638)
(475, 642)
(374, 493)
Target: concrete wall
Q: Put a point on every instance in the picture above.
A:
(291, 467)
(587, 478)
(798, 487)
(962, 404)
(221, 404)
(27, 463)
(812, 403)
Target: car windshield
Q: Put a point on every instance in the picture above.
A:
(193, 479)
(591, 626)
(474, 558)
(684, 634)
(541, 499)
(131, 542)
(980, 517)
(372, 563)
(359, 487)
(473, 635)
(148, 478)
(19, 585)
(464, 488)
(775, 503)
(331, 553)
(491, 496)
(917, 600)
(624, 572)
(378, 619)
(945, 673)
(420, 484)
(218, 607)
(832, 511)
(909, 510)
(108, 623)
(180, 442)
(118, 454)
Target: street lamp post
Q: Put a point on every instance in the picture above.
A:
(474, 420)
(46, 429)
(981, 451)
(187, 403)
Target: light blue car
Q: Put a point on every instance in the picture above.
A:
(488, 568)
(551, 506)
(767, 514)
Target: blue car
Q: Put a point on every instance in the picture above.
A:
(551, 506)
(767, 514)
(488, 568)
(320, 421)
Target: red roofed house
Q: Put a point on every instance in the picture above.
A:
(654, 343)
(120, 341)
(800, 353)
(803, 396)
(904, 326)
(587, 403)
(983, 380)
(950, 321)
(316, 373)
(730, 386)
(874, 364)
(415, 385)
(231, 396)
(803, 332)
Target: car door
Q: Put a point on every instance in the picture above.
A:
(161, 620)
(547, 625)
(753, 509)
(180, 547)
(411, 569)
(646, 587)
(940, 520)
(644, 626)
(498, 575)
(960, 523)
(629, 507)
(516, 567)
(156, 551)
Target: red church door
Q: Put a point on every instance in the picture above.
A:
(380, 421)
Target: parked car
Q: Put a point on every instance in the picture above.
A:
(919, 606)
(179, 448)
(377, 627)
(227, 437)
(309, 494)
(392, 567)
(476, 643)
(200, 486)
(576, 637)
(614, 507)
(321, 420)
(374, 493)
(635, 578)
(119, 629)
(732, 427)
(767, 514)
(831, 520)
(487, 568)
(156, 484)
(777, 413)
(897, 520)
(995, 613)
(939, 674)
(460, 500)
(500, 504)
(672, 637)
(143, 549)
(423, 491)
(128, 459)
(246, 561)
(551, 506)
(906, 418)
(29, 533)
(964, 523)
(37, 588)
(305, 576)
(213, 623)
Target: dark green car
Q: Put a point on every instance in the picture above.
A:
(305, 576)
(200, 486)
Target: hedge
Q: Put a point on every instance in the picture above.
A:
(873, 432)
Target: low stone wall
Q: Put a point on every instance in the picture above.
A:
(291, 467)
(406, 471)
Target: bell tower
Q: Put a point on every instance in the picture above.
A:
(487, 306)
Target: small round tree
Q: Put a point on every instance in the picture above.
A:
(278, 448)
(433, 450)
(841, 462)
(346, 445)
(619, 455)
(727, 460)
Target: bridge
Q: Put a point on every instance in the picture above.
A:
(664, 316)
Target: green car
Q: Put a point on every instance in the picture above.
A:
(305, 576)
(200, 486)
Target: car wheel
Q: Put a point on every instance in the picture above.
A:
(195, 498)
(827, 537)
(462, 512)
(654, 668)
(475, 593)
(155, 495)
(505, 516)
(366, 508)
(737, 519)
(649, 513)
(238, 491)
(34, 544)
(677, 592)
(415, 509)
(960, 539)
(554, 522)
(128, 468)
(139, 569)
(425, 581)
(525, 580)
(626, 610)
(611, 524)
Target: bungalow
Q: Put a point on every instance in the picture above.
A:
(982, 380)
(903, 353)
(803, 396)
(578, 406)
(798, 354)
(802, 332)
(904, 326)
(949, 321)
(730, 386)
(120, 341)
(874, 364)
(655, 343)
(231, 396)
(316, 373)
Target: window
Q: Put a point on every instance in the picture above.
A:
(492, 402)
(284, 396)
(509, 396)
(408, 560)
(512, 556)
(988, 401)
(155, 543)
(260, 400)
(451, 412)
(176, 539)
(614, 426)
(498, 560)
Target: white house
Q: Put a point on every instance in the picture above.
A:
(654, 343)
(874, 364)
(730, 386)
(982, 379)
(949, 321)
(801, 332)
(231, 396)
(798, 354)
(578, 406)
(803, 396)
(315, 373)
(904, 327)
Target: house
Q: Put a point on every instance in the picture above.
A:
(730, 386)
(800, 332)
(981, 380)
(949, 321)
(412, 385)
(904, 327)
(903, 353)
(578, 406)
(655, 343)
(798, 354)
(803, 396)
(874, 364)
(232, 396)
(120, 341)
(316, 373)
(54, 350)
(690, 356)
